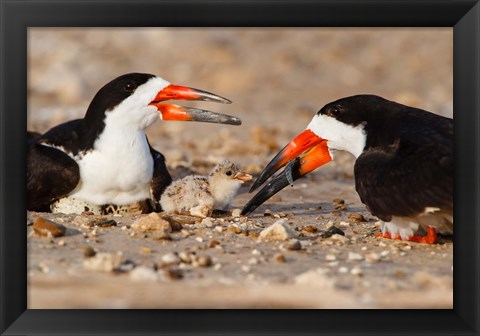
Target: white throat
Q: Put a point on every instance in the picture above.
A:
(134, 112)
(340, 136)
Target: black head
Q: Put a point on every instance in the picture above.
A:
(116, 91)
(355, 110)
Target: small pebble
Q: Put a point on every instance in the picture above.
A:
(46, 228)
(151, 223)
(356, 271)
(329, 224)
(185, 233)
(88, 251)
(236, 213)
(315, 277)
(103, 223)
(106, 262)
(219, 228)
(356, 218)
(256, 252)
(280, 230)
(338, 201)
(280, 258)
(199, 239)
(354, 256)
(294, 245)
(145, 250)
(253, 261)
(330, 257)
(246, 268)
(207, 222)
(235, 229)
(213, 243)
(172, 274)
(204, 260)
(372, 257)
(170, 259)
(161, 235)
(309, 228)
(143, 273)
(93, 233)
(185, 257)
(267, 212)
(332, 230)
(125, 266)
(62, 243)
(343, 269)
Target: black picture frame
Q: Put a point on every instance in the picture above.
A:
(18, 15)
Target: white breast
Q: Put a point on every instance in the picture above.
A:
(118, 171)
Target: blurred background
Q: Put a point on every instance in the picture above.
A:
(276, 78)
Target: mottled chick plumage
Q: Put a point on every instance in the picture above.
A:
(200, 195)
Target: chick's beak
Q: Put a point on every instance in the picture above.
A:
(302, 155)
(244, 177)
(175, 112)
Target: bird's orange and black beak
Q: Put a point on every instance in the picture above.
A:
(302, 155)
(170, 111)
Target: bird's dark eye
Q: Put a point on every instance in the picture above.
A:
(129, 86)
(229, 173)
(335, 111)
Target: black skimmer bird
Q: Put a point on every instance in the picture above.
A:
(104, 162)
(200, 195)
(403, 169)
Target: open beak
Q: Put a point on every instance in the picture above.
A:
(303, 154)
(175, 112)
(244, 177)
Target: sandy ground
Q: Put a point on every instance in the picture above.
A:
(277, 79)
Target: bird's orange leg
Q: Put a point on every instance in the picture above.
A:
(430, 238)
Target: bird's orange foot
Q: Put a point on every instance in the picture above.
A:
(387, 235)
(430, 238)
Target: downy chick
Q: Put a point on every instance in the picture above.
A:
(200, 195)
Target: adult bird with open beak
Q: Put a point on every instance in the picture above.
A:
(403, 168)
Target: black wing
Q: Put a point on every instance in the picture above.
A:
(415, 172)
(51, 174)
(161, 177)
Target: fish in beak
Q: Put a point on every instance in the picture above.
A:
(170, 111)
(302, 155)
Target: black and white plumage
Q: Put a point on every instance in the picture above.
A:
(105, 158)
(200, 195)
(403, 168)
